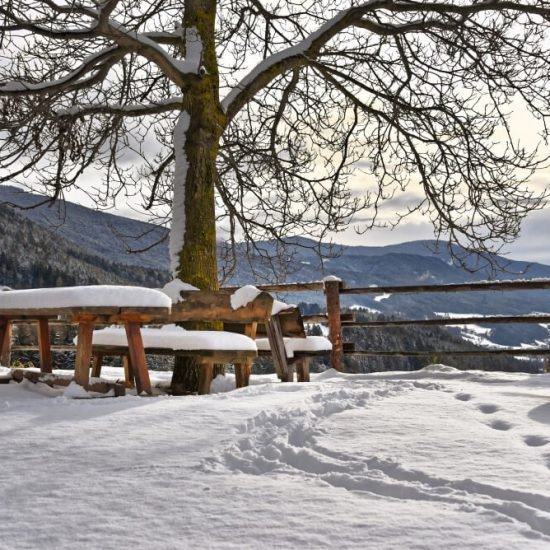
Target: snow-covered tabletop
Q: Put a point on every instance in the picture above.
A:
(84, 297)
(176, 338)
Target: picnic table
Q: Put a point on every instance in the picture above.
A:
(86, 306)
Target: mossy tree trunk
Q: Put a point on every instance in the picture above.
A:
(196, 261)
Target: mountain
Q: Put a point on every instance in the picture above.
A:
(70, 244)
(95, 232)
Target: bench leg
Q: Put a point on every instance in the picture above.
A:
(302, 370)
(83, 353)
(205, 377)
(97, 362)
(137, 358)
(242, 374)
(129, 376)
(44, 345)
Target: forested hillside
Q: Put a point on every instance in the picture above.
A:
(32, 256)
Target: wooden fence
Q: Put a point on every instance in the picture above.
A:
(336, 321)
(334, 288)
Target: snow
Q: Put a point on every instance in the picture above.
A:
(177, 227)
(177, 338)
(84, 296)
(173, 289)
(279, 306)
(332, 279)
(244, 295)
(297, 50)
(193, 52)
(309, 343)
(427, 460)
(292, 345)
(381, 297)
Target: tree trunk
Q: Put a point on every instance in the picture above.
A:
(196, 140)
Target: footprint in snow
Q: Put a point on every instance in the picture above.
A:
(488, 408)
(463, 396)
(535, 440)
(501, 425)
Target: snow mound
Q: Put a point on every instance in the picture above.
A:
(74, 391)
(437, 367)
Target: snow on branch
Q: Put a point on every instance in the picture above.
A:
(89, 64)
(303, 53)
(132, 109)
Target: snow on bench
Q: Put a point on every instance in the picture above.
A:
(207, 346)
(174, 338)
(295, 346)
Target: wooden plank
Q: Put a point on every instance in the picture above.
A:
(216, 306)
(474, 353)
(323, 318)
(284, 287)
(84, 352)
(205, 377)
(97, 362)
(129, 375)
(486, 320)
(536, 284)
(302, 369)
(332, 293)
(278, 351)
(217, 356)
(137, 358)
(64, 380)
(44, 345)
(53, 348)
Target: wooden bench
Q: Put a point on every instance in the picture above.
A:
(85, 306)
(207, 347)
(283, 337)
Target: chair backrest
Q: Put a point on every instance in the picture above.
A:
(215, 305)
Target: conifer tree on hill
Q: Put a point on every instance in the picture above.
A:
(255, 113)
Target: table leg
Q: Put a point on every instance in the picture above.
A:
(129, 378)
(205, 377)
(5, 342)
(137, 358)
(83, 353)
(44, 346)
(97, 363)
(302, 369)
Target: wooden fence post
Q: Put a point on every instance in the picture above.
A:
(332, 293)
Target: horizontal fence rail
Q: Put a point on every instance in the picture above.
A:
(533, 284)
(475, 352)
(485, 320)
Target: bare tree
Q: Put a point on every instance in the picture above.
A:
(257, 111)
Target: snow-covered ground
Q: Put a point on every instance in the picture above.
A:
(432, 459)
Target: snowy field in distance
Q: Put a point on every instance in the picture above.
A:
(427, 460)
